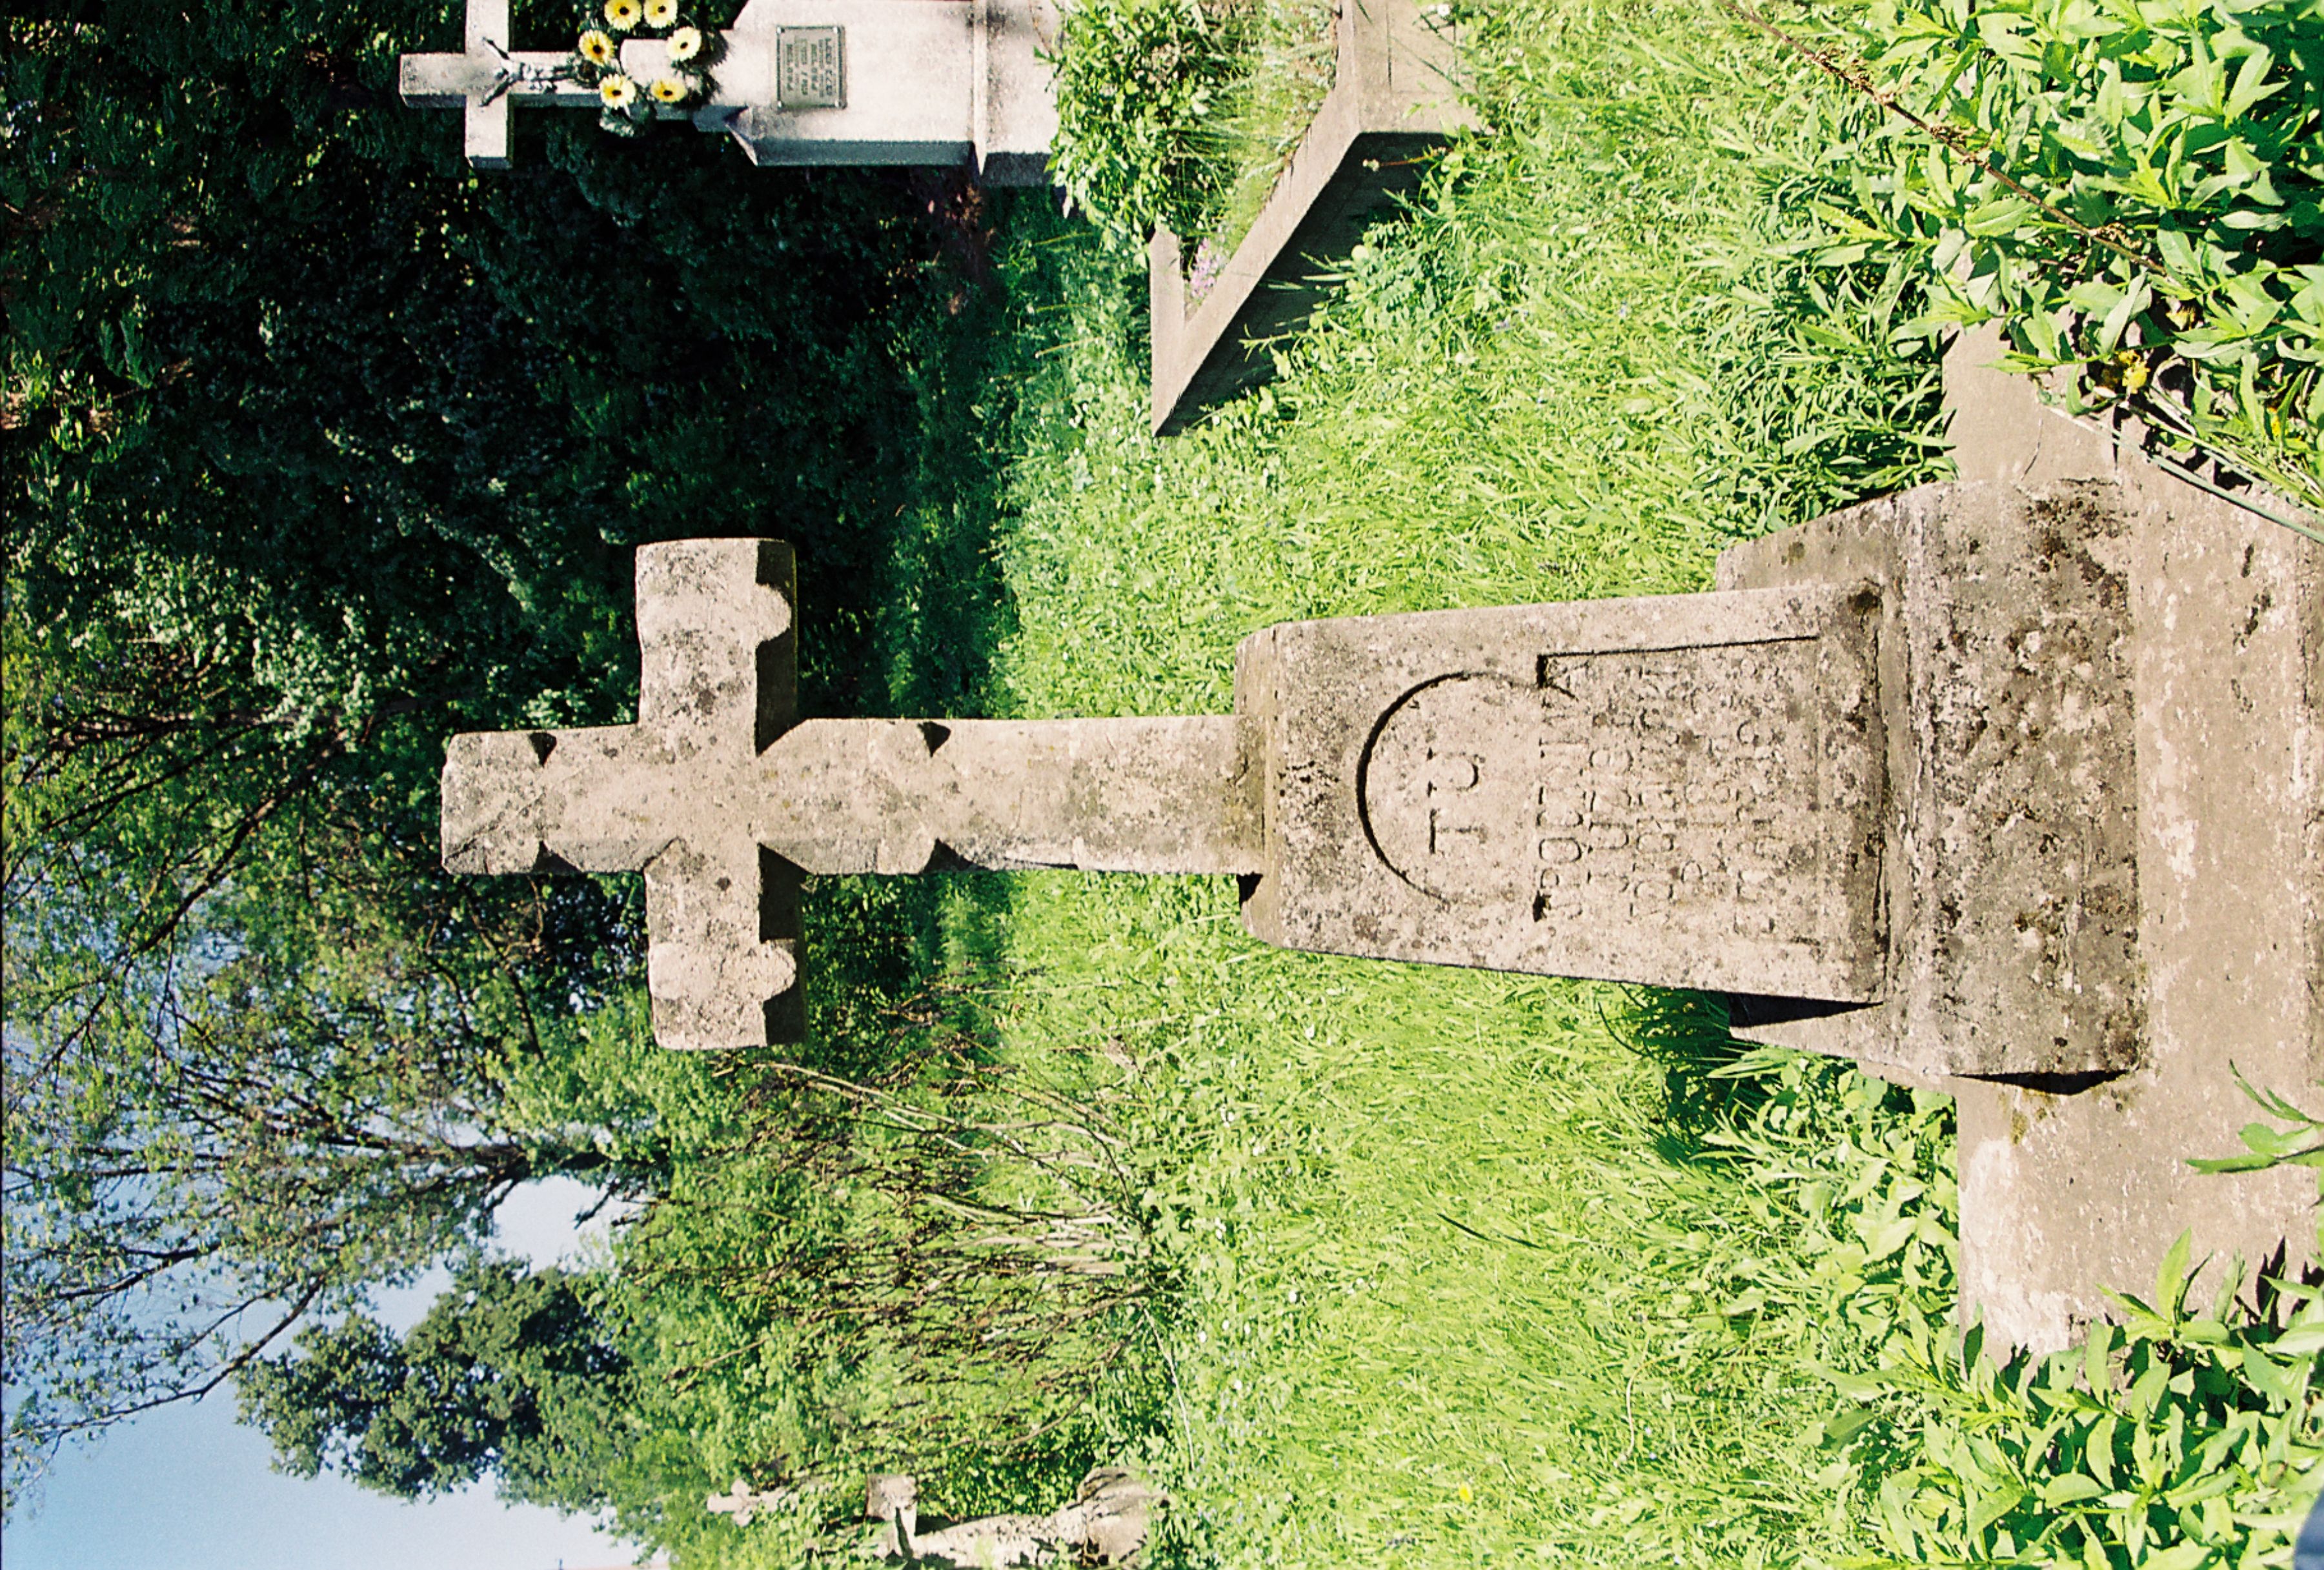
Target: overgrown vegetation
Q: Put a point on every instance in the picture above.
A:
(1451, 1290)
(1367, 1263)
(2135, 189)
(319, 447)
(1292, 61)
(1181, 114)
(1136, 83)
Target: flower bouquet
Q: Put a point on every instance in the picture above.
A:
(628, 102)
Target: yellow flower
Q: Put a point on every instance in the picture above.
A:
(661, 13)
(684, 44)
(2122, 373)
(619, 92)
(668, 90)
(596, 47)
(620, 15)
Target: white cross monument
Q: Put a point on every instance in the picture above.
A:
(804, 82)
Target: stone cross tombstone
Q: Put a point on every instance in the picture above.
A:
(1683, 789)
(722, 796)
(804, 82)
(2011, 788)
(1107, 1522)
(742, 1504)
(487, 81)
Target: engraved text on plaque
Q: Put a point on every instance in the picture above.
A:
(810, 68)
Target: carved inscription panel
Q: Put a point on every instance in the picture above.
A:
(1673, 788)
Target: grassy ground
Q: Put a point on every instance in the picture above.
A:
(1292, 53)
(1421, 1268)
(1449, 1284)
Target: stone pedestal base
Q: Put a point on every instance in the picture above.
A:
(2010, 871)
(2189, 792)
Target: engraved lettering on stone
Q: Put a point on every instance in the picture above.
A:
(810, 71)
(1673, 786)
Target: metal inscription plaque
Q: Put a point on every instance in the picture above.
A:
(810, 68)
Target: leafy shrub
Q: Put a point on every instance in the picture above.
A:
(2179, 1436)
(510, 1372)
(1136, 81)
(2176, 1438)
(2135, 188)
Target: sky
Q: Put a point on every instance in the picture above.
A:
(186, 1488)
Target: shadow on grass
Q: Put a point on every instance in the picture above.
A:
(891, 1283)
(1689, 1036)
(939, 613)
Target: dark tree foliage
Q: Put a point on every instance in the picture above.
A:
(510, 1374)
(318, 446)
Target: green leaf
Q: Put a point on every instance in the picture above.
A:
(1844, 1425)
(2178, 253)
(2252, 84)
(2171, 1279)
(2070, 1488)
(1999, 216)
(2133, 301)
(2096, 1349)
(2231, 1163)
(2098, 1450)
(1855, 1387)
(2146, 1391)
(2276, 1379)
(1889, 1236)
(1988, 1506)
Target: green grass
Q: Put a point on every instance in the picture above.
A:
(1435, 1267)
(1579, 373)
(1445, 1281)
(1445, 1288)
(1290, 55)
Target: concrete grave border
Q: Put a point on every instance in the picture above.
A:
(1394, 100)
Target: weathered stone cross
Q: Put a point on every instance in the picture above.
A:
(722, 797)
(1681, 789)
(2007, 788)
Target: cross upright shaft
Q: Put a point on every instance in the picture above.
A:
(722, 798)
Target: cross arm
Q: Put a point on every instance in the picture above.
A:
(670, 797)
